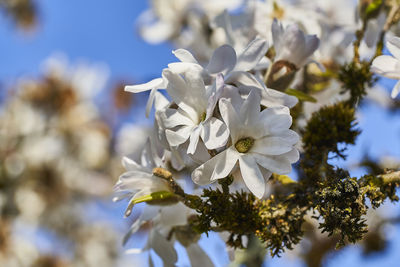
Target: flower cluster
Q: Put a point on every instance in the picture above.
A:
(54, 155)
(219, 119)
(229, 112)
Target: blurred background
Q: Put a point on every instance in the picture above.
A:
(65, 123)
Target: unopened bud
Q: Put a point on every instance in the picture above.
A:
(281, 75)
(162, 173)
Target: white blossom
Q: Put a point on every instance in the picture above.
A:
(292, 44)
(257, 139)
(389, 66)
(194, 116)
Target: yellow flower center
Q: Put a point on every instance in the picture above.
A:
(244, 144)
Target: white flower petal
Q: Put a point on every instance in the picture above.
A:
(275, 145)
(201, 155)
(215, 94)
(150, 101)
(131, 165)
(160, 101)
(197, 256)
(393, 44)
(196, 89)
(293, 155)
(194, 139)
(223, 60)
(133, 229)
(252, 175)
(242, 78)
(230, 117)
(277, 33)
(395, 90)
(174, 117)
(178, 90)
(275, 120)
(147, 156)
(173, 215)
(178, 137)
(251, 55)
(217, 167)
(273, 98)
(279, 165)
(181, 67)
(185, 56)
(163, 247)
(214, 133)
(387, 66)
(250, 110)
(155, 83)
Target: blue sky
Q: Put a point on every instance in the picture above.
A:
(104, 31)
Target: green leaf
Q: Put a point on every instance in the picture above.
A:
(300, 95)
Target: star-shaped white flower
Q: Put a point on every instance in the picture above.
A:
(139, 179)
(193, 119)
(258, 139)
(389, 66)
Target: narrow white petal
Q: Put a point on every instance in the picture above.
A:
(173, 215)
(174, 117)
(184, 56)
(178, 137)
(396, 90)
(197, 256)
(312, 43)
(178, 90)
(196, 89)
(273, 98)
(242, 78)
(133, 229)
(225, 163)
(393, 44)
(201, 155)
(279, 165)
(164, 248)
(250, 110)
(275, 120)
(182, 67)
(160, 101)
(217, 167)
(251, 55)
(215, 134)
(293, 155)
(131, 165)
(194, 139)
(272, 145)
(223, 60)
(252, 175)
(230, 117)
(155, 83)
(214, 95)
(277, 32)
(387, 66)
(150, 101)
